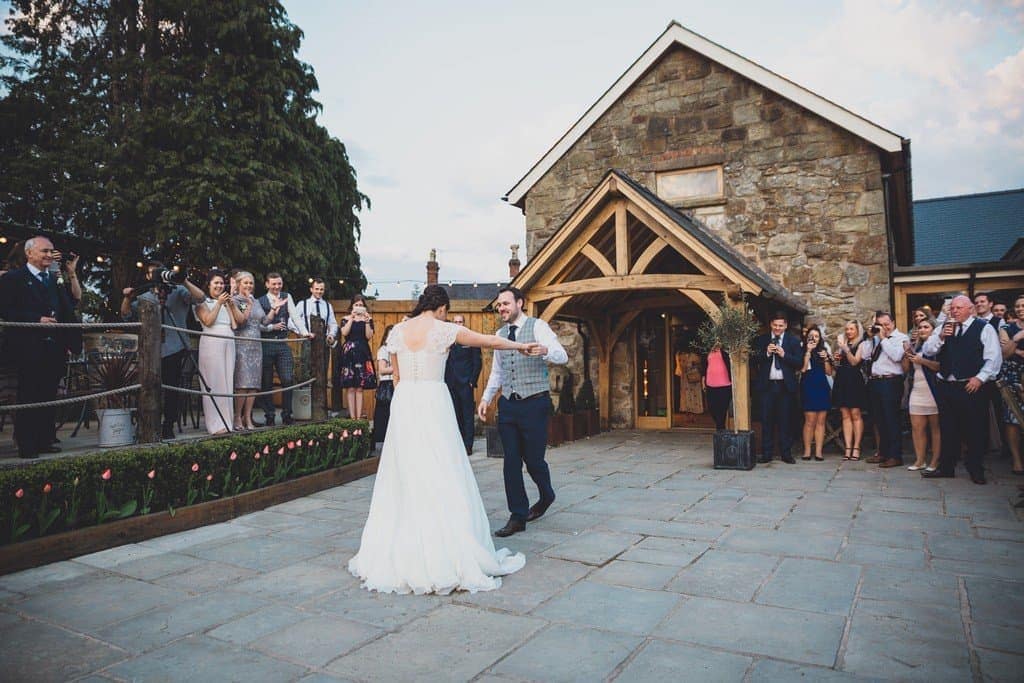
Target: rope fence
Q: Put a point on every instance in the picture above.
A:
(86, 326)
(185, 330)
(66, 401)
(195, 392)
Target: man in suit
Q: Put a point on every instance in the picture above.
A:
(777, 356)
(969, 358)
(461, 373)
(31, 294)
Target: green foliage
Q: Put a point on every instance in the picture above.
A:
(59, 495)
(182, 130)
(732, 328)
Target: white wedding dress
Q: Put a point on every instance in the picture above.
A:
(427, 531)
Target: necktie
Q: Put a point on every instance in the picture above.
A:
(318, 309)
(512, 332)
(959, 329)
(775, 357)
(44, 276)
(877, 352)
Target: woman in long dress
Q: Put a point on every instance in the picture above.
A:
(216, 354)
(428, 531)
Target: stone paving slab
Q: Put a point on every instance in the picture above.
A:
(649, 566)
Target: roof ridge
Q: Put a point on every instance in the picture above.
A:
(967, 196)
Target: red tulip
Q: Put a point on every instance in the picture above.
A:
(47, 488)
(291, 445)
(106, 474)
(151, 474)
(195, 467)
(20, 493)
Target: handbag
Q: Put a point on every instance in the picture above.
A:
(385, 391)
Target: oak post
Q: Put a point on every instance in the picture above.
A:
(150, 394)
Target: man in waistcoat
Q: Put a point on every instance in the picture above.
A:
(278, 356)
(461, 373)
(969, 358)
(524, 407)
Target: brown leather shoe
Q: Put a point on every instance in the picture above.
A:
(891, 462)
(874, 459)
(537, 511)
(514, 526)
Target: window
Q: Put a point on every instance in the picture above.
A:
(692, 186)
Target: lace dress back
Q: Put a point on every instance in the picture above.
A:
(421, 352)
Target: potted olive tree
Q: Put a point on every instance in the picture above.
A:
(732, 329)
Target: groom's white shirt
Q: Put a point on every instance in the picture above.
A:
(545, 336)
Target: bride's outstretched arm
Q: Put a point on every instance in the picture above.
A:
(468, 337)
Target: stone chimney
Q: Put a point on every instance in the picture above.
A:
(513, 263)
(432, 268)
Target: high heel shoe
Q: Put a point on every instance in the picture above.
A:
(848, 455)
(856, 453)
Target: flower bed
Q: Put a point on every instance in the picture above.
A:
(73, 493)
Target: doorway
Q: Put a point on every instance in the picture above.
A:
(668, 388)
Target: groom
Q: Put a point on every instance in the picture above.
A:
(523, 408)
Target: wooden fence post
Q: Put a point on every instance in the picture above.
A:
(318, 361)
(151, 394)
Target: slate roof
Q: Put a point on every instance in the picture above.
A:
(487, 291)
(971, 228)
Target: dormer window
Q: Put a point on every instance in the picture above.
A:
(691, 187)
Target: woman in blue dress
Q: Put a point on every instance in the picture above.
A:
(814, 391)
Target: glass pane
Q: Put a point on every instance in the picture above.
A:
(689, 184)
(652, 394)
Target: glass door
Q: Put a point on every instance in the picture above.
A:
(653, 383)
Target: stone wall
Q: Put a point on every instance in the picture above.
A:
(803, 198)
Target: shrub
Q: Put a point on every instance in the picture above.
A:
(70, 493)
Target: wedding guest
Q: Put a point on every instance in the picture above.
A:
(776, 356)
(283, 315)
(886, 389)
(249, 316)
(385, 390)
(849, 392)
(921, 404)
(216, 354)
(355, 371)
(814, 391)
(716, 380)
(1011, 339)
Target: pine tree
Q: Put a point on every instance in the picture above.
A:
(181, 130)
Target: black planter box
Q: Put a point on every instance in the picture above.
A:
(495, 449)
(734, 450)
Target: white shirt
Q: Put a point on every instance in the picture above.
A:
(545, 336)
(890, 361)
(992, 353)
(307, 308)
(384, 355)
(295, 322)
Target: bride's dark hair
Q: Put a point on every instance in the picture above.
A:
(432, 298)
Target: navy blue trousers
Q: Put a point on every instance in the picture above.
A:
(886, 393)
(776, 416)
(963, 421)
(523, 426)
(465, 408)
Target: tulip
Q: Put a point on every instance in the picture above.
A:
(233, 456)
(47, 488)
(280, 451)
(331, 436)
(256, 457)
(344, 434)
(151, 474)
(266, 450)
(358, 432)
(195, 467)
(291, 445)
(20, 493)
(106, 474)
(209, 477)
(299, 443)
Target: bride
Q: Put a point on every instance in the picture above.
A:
(428, 531)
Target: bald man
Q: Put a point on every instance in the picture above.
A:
(969, 357)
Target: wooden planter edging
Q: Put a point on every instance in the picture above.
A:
(63, 546)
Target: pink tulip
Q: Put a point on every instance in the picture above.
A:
(106, 474)
(195, 467)
(266, 450)
(280, 451)
(151, 474)
(20, 493)
(209, 477)
(47, 488)
(344, 434)
(256, 457)
(291, 445)
(358, 432)
(299, 443)
(233, 456)
(331, 436)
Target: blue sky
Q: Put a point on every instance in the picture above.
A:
(445, 105)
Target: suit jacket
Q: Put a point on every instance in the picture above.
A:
(463, 366)
(23, 298)
(791, 362)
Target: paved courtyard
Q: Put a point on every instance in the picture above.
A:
(651, 566)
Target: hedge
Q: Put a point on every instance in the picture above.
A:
(52, 496)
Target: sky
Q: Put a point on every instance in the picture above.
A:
(445, 105)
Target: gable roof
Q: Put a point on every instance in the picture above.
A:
(674, 35)
(684, 226)
(971, 228)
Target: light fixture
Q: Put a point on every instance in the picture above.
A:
(341, 282)
(475, 284)
(99, 259)
(138, 264)
(176, 268)
(310, 280)
(3, 240)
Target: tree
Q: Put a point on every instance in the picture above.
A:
(181, 130)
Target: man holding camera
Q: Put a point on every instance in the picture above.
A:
(778, 358)
(885, 388)
(284, 316)
(32, 294)
(174, 300)
(969, 358)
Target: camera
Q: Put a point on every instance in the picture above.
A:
(166, 276)
(876, 329)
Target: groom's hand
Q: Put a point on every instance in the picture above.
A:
(481, 411)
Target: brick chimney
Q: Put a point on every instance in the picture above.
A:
(513, 263)
(432, 268)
